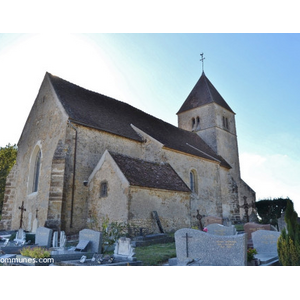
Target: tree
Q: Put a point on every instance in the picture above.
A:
(8, 157)
(289, 241)
(270, 210)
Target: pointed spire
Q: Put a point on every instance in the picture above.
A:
(203, 93)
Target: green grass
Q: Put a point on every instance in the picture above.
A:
(239, 227)
(155, 255)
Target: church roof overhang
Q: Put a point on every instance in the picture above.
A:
(103, 113)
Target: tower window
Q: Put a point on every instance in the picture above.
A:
(103, 189)
(225, 123)
(193, 123)
(198, 123)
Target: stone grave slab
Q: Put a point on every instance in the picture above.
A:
(43, 236)
(67, 255)
(82, 245)
(20, 237)
(265, 243)
(151, 239)
(210, 250)
(62, 239)
(94, 237)
(251, 227)
(211, 220)
(218, 229)
(124, 249)
(35, 225)
(55, 239)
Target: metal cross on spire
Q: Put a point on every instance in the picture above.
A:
(202, 60)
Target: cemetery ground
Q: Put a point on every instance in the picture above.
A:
(150, 255)
(155, 255)
(217, 245)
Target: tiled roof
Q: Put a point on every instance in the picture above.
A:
(203, 93)
(104, 113)
(149, 174)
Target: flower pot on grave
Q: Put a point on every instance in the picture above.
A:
(253, 262)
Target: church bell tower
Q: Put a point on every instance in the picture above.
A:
(207, 113)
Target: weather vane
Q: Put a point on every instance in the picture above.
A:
(202, 59)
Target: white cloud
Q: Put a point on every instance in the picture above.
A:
(272, 176)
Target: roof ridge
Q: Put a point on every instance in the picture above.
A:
(139, 159)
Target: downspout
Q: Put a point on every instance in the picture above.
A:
(74, 174)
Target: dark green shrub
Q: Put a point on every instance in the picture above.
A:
(288, 243)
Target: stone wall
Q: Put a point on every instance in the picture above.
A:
(9, 198)
(113, 206)
(173, 209)
(45, 126)
(91, 145)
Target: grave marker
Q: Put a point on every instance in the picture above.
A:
(265, 243)
(218, 229)
(124, 249)
(251, 227)
(210, 250)
(155, 216)
(62, 239)
(22, 208)
(43, 236)
(94, 238)
(211, 220)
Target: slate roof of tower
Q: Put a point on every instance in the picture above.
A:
(97, 111)
(149, 174)
(203, 93)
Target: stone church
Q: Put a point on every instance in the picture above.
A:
(84, 158)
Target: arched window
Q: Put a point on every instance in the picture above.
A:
(36, 172)
(193, 123)
(198, 123)
(35, 164)
(193, 181)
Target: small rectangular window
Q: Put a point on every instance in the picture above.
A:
(225, 123)
(103, 189)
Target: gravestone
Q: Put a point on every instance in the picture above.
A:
(251, 227)
(62, 239)
(35, 225)
(43, 236)
(155, 216)
(265, 243)
(124, 249)
(20, 237)
(55, 239)
(219, 229)
(94, 238)
(82, 245)
(211, 220)
(210, 250)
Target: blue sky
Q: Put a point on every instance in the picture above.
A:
(257, 74)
